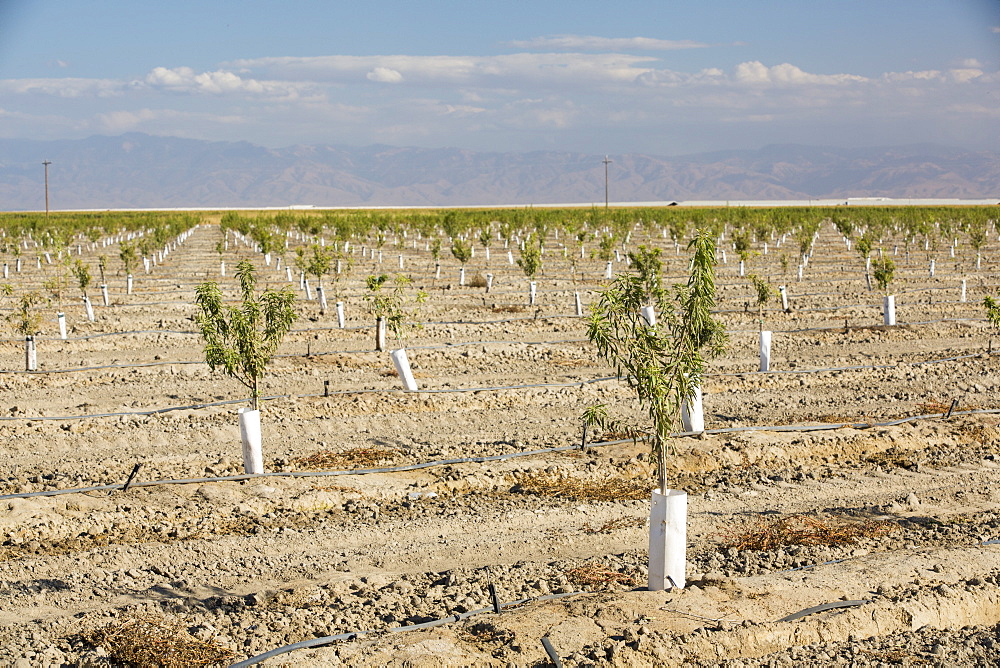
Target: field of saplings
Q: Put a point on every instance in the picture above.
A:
(448, 506)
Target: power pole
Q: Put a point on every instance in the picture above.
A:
(46, 163)
(606, 163)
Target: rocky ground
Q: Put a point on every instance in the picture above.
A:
(313, 549)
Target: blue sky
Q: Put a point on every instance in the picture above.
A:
(597, 77)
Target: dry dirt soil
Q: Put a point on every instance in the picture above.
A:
(199, 563)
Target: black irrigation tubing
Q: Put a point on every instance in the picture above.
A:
(448, 323)
(102, 335)
(309, 474)
(477, 460)
(170, 409)
(850, 368)
(296, 355)
(823, 608)
(327, 640)
(137, 365)
(504, 387)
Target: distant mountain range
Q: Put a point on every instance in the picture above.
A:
(143, 171)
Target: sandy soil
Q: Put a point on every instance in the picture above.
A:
(256, 564)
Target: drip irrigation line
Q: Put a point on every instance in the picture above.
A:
(450, 390)
(98, 368)
(170, 409)
(474, 460)
(850, 368)
(549, 316)
(822, 608)
(351, 635)
(449, 344)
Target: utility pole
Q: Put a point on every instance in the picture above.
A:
(46, 163)
(606, 163)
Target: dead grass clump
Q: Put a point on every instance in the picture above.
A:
(553, 484)
(336, 488)
(615, 524)
(763, 535)
(488, 637)
(147, 640)
(513, 308)
(980, 434)
(391, 373)
(894, 458)
(477, 281)
(599, 575)
(570, 362)
(356, 458)
(933, 406)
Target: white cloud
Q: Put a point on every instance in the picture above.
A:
(964, 75)
(463, 109)
(995, 30)
(64, 87)
(124, 121)
(384, 75)
(155, 120)
(219, 82)
(509, 101)
(521, 69)
(755, 72)
(592, 43)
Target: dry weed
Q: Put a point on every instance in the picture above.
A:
(488, 637)
(933, 406)
(894, 457)
(896, 657)
(356, 458)
(337, 488)
(980, 434)
(572, 362)
(599, 575)
(554, 484)
(513, 308)
(477, 281)
(148, 640)
(763, 535)
(615, 524)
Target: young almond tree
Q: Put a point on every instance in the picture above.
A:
(241, 339)
(82, 273)
(126, 254)
(864, 246)
(992, 307)
(387, 298)
(485, 239)
(649, 269)
(763, 292)
(462, 251)
(531, 257)
(25, 320)
(883, 270)
(662, 364)
(319, 264)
